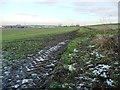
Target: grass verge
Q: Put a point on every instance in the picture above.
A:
(83, 56)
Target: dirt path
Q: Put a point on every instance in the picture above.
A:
(36, 71)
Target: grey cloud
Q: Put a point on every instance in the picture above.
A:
(96, 8)
(108, 12)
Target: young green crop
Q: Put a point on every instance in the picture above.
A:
(18, 43)
(12, 34)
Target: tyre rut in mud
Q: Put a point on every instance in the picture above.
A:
(37, 70)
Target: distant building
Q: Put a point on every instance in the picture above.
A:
(14, 26)
(30, 26)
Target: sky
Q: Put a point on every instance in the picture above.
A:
(66, 12)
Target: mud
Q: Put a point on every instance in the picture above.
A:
(36, 70)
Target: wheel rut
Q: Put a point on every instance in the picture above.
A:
(36, 71)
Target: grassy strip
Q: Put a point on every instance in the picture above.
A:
(81, 58)
(66, 57)
(83, 35)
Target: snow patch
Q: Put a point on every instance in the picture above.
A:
(40, 51)
(7, 72)
(39, 59)
(62, 43)
(98, 55)
(34, 74)
(34, 62)
(101, 70)
(26, 81)
(75, 50)
(91, 46)
(46, 74)
(110, 82)
(71, 68)
(16, 86)
(51, 65)
(28, 68)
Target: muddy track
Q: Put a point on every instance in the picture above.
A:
(37, 70)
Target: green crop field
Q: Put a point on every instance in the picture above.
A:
(17, 43)
(21, 33)
(104, 26)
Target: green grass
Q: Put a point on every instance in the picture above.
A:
(21, 33)
(83, 35)
(83, 58)
(72, 45)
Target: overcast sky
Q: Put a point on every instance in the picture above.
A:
(81, 12)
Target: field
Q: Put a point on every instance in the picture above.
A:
(19, 42)
(90, 59)
(17, 33)
(79, 57)
(105, 27)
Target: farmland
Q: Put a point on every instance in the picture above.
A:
(17, 33)
(89, 63)
(104, 27)
(31, 39)
(66, 57)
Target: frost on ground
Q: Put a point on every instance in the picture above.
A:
(71, 67)
(93, 69)
(102, 70)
